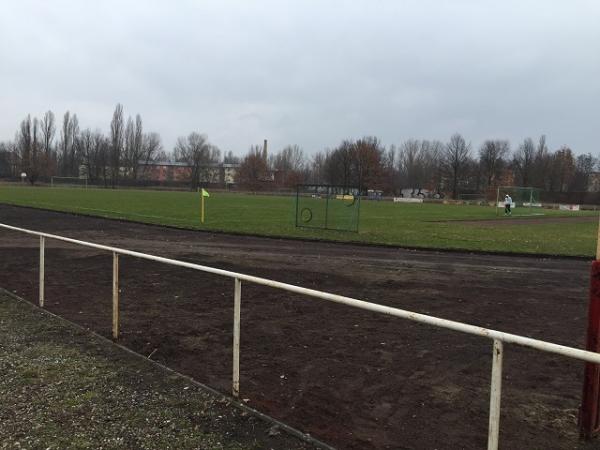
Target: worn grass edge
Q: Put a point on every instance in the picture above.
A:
(306, 437)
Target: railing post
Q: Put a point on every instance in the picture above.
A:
(590, 402)
(495, 394)
(42, 265)
(115, 296)
(237, 303)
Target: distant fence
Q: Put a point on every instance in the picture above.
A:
(499, 338)
(553, 197)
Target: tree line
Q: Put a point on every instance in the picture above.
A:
(43, 148)
(429, 166)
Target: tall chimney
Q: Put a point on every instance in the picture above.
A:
(265, 150)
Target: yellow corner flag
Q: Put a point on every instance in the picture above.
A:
(204, 194)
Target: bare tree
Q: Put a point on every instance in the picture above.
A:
(253, 169)
(128, 147)
(388, 169)
(28, 148)
(492, 155)
(338, 164)
(410, 161)
(317, 168)
(86, 146)
(456, 158)
(289, 165)
(6, 169)
(116, 144)
(9, 154)
(102, 150)
(562, 169)
(523, 161)
(151, 146)
(541, 164)
(420, 165)
(433, 158)
(134, 146)
(200, 154)
(138, 144)
(74, 154)
(162, 155)
(65, 142)
(230, 158)
(367, 154)
(151, 151)
(36, 152)
(24, 144)
(69, 157)
(48, 129)
(584, 167)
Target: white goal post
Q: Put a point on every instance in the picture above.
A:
(69, 182)
(524, 197)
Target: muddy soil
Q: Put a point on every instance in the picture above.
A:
(354, 379)
(509, 221)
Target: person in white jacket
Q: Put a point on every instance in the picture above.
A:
(507, 205)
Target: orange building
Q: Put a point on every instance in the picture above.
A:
(181, 172)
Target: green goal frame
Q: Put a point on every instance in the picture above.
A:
(327, 207)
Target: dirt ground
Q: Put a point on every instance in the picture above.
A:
(351, 378)
(527, 221)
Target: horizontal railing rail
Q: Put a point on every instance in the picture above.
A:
(498, 337)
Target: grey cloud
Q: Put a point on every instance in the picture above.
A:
(309, 72)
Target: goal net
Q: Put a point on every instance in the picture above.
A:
(81, 182)
(327, 207)
(526, 200)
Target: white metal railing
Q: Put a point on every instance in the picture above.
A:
(498, 337)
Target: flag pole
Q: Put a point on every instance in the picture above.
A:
(203, 194)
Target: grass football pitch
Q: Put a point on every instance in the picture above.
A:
(422, 225)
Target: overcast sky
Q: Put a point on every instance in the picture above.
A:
(309, 72)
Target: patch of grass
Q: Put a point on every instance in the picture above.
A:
(412, 225)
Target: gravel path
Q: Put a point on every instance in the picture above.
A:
(64, 388)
